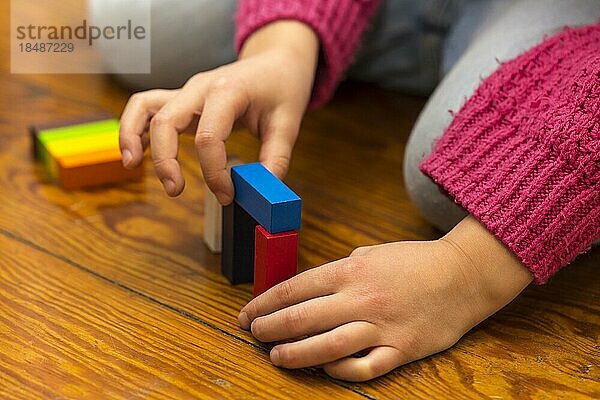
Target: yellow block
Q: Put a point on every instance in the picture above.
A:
(83, 144)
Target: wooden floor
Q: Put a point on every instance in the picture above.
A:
(111, 294)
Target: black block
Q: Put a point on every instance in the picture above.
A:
(237, 255)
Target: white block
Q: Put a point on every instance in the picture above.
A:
(213, 220)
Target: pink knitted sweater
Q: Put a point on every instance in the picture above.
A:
(523, 153)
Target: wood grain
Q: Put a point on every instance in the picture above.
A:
(126, 262)
(72, 334)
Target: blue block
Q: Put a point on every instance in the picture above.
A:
(268, 200)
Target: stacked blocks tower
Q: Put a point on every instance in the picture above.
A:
(80, 154)
(260, 229)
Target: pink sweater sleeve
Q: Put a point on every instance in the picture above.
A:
(338, 23)
(523, 154)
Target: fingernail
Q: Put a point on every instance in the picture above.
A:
(169, 185)
(244, 321)
(275, 357)
(127, 157)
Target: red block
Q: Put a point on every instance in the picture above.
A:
(275, 258)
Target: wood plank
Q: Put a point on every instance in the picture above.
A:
(434, 375)
(66, 333)
(348, 157)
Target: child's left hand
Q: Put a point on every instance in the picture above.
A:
(400, 302)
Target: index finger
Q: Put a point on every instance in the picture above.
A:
(316, 282)
(173, 118)
(134, 122)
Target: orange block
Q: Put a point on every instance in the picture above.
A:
(92, 169)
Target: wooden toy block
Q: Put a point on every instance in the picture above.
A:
(213, 215)
(237, 257)
(267, 199)
(94, 169)
(35, 129)
(83, 155)
(213, 221)
(66, 140)
(275, 258)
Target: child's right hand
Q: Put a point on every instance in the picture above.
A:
(395, 302)
(267, 89)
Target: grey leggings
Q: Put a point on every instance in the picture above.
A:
(410, 45)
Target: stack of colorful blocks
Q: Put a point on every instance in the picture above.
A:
(82, 153)
(259, 229)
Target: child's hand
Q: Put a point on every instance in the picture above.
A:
(267, 89)
(399, 301)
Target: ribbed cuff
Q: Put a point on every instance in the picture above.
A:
(523, 154)
(338, 23)
(546, 212)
